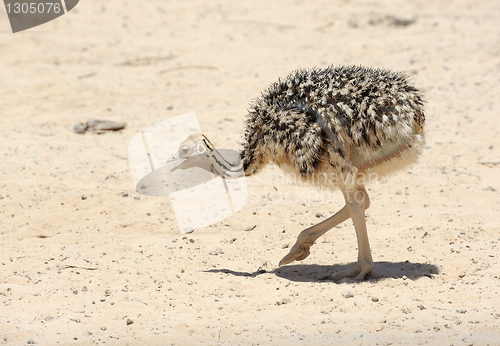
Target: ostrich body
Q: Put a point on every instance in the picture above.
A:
(338, 127)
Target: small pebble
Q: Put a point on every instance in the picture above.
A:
(374, 299)
(84, 197)
(80, 128)
(462, 311)
(84, 289)
(75, 338)
(349, 295)
(318, 214)
(125, 195)
(401, 20)
(48, 318)
(103, 328)
(249, 228)
(137, 197)
(75, 291)
(31, 342)
(188, 229)
(89, 333)
(284, 301)
(129, 321)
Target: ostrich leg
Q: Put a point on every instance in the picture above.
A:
(356, 203)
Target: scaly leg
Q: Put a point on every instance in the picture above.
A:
(308, 236)
(356, 203)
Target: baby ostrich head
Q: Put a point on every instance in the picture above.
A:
(198, 151)
(194, 152)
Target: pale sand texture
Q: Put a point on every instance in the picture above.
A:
(434, 229)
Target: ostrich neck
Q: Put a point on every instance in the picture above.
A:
(221, 167)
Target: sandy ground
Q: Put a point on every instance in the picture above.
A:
(104, 268)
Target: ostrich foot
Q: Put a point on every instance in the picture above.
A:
(298, 252)
(358, 272)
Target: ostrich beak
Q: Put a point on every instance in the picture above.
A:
(174, 158)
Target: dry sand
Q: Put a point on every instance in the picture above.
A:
(73, 271)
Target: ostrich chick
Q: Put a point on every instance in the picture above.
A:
(337, 127)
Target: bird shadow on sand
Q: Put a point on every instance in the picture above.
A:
(322, 273)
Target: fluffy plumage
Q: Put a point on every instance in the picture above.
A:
(334, 121)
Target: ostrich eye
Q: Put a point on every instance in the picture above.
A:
(186, 150)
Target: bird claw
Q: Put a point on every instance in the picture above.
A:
(297, 253)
